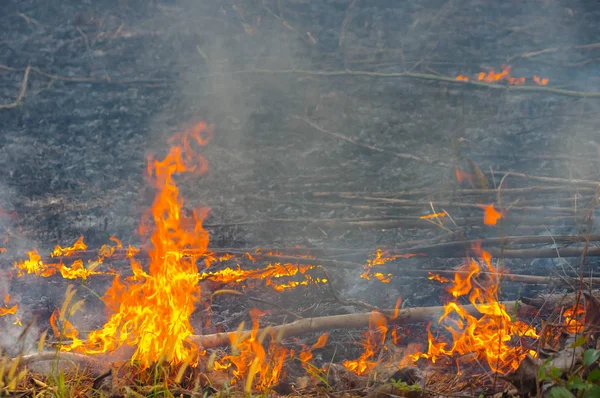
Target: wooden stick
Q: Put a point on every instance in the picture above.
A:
(346, 321)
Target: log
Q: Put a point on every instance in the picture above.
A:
(348, 321)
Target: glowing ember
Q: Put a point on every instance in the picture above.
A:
(462, 78)
(374, 339)
(491, 337)
(151, 310)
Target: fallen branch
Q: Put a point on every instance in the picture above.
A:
(346, 321)
(423, 76)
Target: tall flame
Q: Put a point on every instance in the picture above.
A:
(150, 311)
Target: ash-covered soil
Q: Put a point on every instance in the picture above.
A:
(112, 80)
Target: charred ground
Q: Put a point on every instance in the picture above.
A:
(112, 80)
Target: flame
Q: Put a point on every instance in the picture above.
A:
(541, 82)
(151, 310)
(573, 319)
(488, 337)
(374, 339)
(439, 278)
(261, 368)
(434, 215)
(68, 251)
(34, 265)
(270, 274)
(306, 354)
(381, 257)
(503, 75)
(78, 270)
(490, 215)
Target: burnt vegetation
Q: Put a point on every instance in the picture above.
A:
(299, 197)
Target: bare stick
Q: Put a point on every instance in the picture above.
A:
(22, 92)
(346, 321)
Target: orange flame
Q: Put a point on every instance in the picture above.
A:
(490, 215)
(270, 274)
(434, 215)
(462, 78)
(573, 319)
(541, 82)
(504, 75)
(68, 251)
(261, 369)
(381, 257)
(488, 337)
(374, 339)
(151, 311)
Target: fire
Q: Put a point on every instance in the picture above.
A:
(374, 339)
(573, 318)
(504, 75)
(259, 367)
(380, 258)
(151, 310)
(270, 274)
(490, 215)
(68, 251)
(34, 265)
(541, 82)
(490, 337)
(8, 310)
(434, 215)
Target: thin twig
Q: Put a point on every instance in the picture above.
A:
(22, 92)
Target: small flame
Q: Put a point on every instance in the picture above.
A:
(68, 251)
(270, 274)
(374, 339)
(490, 215)
(380, 258)
(541, 82)
(462, 78)
(573, 319)
(259, 367)
(434, 215)
(503, 75)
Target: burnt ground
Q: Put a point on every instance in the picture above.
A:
(112, 80)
